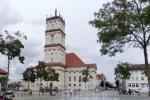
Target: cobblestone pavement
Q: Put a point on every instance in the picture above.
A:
(107, 95)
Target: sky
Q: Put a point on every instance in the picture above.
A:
(28, 16)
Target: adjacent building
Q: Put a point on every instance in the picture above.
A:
(138, 80)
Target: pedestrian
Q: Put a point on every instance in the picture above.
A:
(129, 91)
(51, 92)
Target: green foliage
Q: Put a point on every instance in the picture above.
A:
(11, 46)
(40, 70)
(52, 75)
(3, 79)
(122, 71)
(29, 75)
(123, 22)
(86, 75)
(85, 79)
(48, 74)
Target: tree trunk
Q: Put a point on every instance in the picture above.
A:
(123, 86)
(147, 68)
(47, 84)
(28, 85)
(8, 72)
(104, 85)
(85, 86)
(39, 86)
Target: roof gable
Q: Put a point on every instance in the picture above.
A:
(72, 60)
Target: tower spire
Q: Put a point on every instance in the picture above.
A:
(55, 12)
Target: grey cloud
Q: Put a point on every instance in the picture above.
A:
(32, 48)
(38, 22)
(7, 15)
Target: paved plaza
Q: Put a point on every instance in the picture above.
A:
(107, 95)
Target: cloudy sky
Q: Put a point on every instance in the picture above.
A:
(28, 16)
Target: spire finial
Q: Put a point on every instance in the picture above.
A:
(55, 12)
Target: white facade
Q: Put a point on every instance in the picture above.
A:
(55, 57)
(138, 81)
(73, 77)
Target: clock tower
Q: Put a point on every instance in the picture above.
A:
(54, 49)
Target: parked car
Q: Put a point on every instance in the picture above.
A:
(8, 94)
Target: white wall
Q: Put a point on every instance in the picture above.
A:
(55, 24)
(54, 38)
(138, 81)
(54, 54)
(76, 72)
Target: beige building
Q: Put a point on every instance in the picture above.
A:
(68, 65)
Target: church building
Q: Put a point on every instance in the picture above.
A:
(68, 65)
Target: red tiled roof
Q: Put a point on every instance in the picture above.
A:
(2, 72)
(72, 60)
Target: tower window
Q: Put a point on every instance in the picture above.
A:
(74, 78)
(51, 59)
(62, 39)
(52, 25)
(79, 78)
(52, 38)
(69, 78)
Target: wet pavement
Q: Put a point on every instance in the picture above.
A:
(106, 95)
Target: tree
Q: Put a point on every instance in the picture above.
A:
(45, 73)
(122, 71)
(86, 76)
(52, 75)
(41, 72)
(121, 23)
(3, 80)
(29, 75)
(11, 46)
